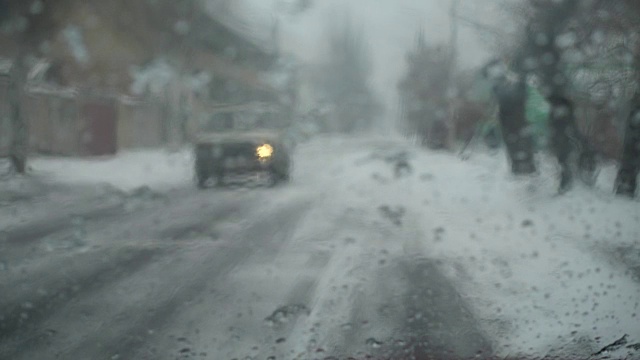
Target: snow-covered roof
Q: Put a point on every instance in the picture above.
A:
(153, 78)
(49, 89)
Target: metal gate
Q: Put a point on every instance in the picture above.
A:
(100, 133)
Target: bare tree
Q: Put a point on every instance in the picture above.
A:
(347, 77)
(425, 103)
(612, 45)
(552, 33)
(27, 25)
(18, 148)
(621, 18)
(589, 49)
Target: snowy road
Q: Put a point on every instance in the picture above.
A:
(348, 260)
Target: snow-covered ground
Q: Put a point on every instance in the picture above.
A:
(58, 186)
(542, 273)
(157, 169)
(538, 269)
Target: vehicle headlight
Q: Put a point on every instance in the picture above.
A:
(264, 151)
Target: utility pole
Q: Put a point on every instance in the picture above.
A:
(453, 35)
(453, 63)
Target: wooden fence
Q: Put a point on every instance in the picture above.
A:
(78, 123)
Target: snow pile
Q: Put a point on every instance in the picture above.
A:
(154, 78)
(539, 270)
(15, 187)
(156, 169)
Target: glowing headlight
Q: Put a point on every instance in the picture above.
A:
(264, 151)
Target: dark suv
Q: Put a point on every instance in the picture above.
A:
(220, 157)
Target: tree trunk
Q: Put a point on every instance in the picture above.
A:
(184, 117)
(571, 148)
(512, 97)
(626, 180)
(542, 47)
(19, 145)
(562, 136)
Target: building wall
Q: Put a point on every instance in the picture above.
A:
(98, 119)
(117, 35)
(140, 124)
(53, 123)
(62, 122)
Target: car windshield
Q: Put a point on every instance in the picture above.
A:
(319, 179)
(243, 118)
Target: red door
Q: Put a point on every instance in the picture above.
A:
(99, 137)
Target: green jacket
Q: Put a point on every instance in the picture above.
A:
(537, 113)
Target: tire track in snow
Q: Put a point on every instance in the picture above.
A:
(123, 329)
(21, 319)
(437, 320)
(225, 321)
(38, 291)
(383, 298)
(52, 270)
(20, 242)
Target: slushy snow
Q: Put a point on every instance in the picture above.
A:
(541, 272)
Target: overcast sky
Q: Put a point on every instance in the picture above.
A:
(390, 27)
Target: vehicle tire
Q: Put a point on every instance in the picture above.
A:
(201, 180)
(201, 172)
(273, 179)
(284, 177)
(278, 177)
(219, 178)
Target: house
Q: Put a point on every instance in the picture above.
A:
(93, 57)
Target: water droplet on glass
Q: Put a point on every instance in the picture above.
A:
(181, 27)
(346, 326)
(566, 40)
(541, 39)
(373, 343)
